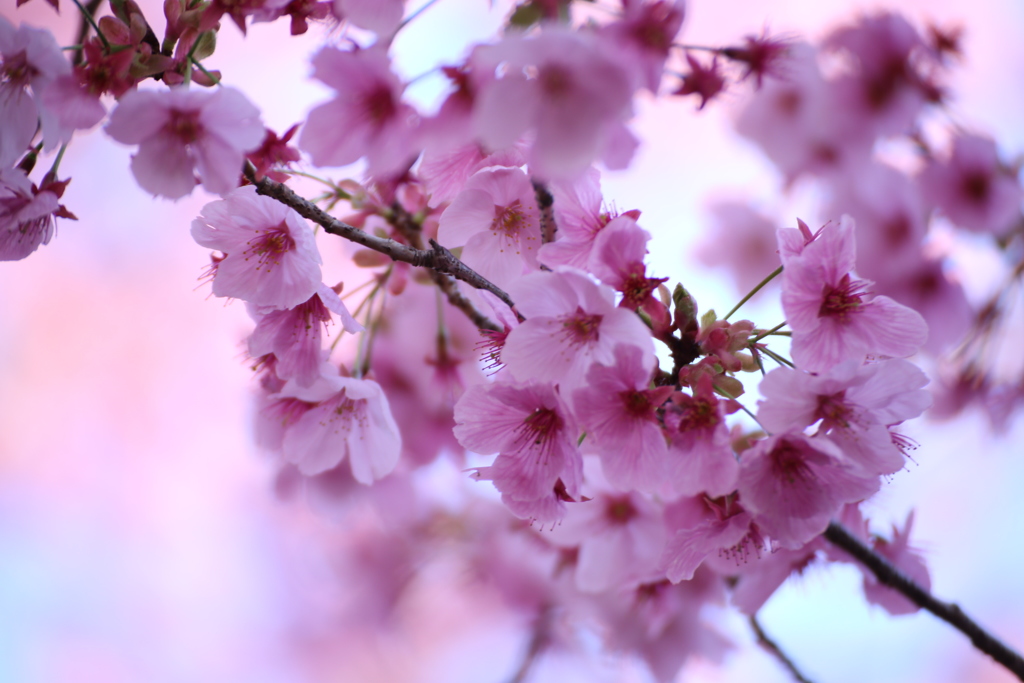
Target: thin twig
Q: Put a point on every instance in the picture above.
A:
(772, 647)
(538, 641)
(437, 258)
(948, 612)
(413, 233)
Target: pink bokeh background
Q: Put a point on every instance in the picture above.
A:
(140, 538)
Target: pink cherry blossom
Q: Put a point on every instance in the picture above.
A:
(793, 485)
(30, 60)
(972, 188)
(617, 410)
(829, 311)
(645, 35)
(617, 260)
(575, 105)
(884, 90)
(181, 131)
(366, 117)
(380, 16)
(759, 576)
(445, 173)
(619, 536)
(26, 214)
(351, 420)
(272, 259)
(497, 220)
(855, 404)
(294, 335)
(700, 457)
(701, 527)
(798, 124)
(579, 219)
(570, 324)
(534, 434)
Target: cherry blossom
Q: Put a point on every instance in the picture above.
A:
(575, 105)
(350, 420)
(496, 220)
(972, 188)
(294, 335)
(830, 312)
(27, 214)
(538, 466)
(855, 404)
(367, 116)
(30, 60)
(181, 131)
(570, 324)
(272, 259)
(617, 409)
(793, 485)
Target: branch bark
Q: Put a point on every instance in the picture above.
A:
(948, 612)
(772, 647)
(438, 259)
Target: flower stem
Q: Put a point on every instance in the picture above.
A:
(754, 291)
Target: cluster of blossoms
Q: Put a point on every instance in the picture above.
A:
(599, 403)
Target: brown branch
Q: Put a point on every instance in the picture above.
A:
(772, 647)
(546, 203)
(948, 612)
(412, 231)
(437, 258)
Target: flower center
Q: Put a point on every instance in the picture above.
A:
(582, 328)
(841, 300)
(185, 126)
(17, 71)
(619, 510)
(539, 430)
(508, 220)
(380, 105)
(268, 246)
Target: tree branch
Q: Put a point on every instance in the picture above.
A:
(948, 612)
(437, 258)
(772, 647)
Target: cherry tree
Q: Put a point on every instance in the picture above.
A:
(488, 376)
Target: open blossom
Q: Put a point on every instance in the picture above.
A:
(350, 420)
(366, 117)
(700, 456)
(855, 405)
(831, 314)
(570, 324)
(30, 60)
(293, 335)
(575, 104)
(618, 536)
(645, 34)
(497, 220)
(701, 528)
(793, 485)
(181, 131)
(272, 259)
(972, 188)
(27, 214)
(618, 411)
(534, 434)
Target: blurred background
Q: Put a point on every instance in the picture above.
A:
(140, 535)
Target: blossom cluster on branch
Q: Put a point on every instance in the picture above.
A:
(509, 322)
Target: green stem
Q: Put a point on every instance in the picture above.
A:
(754, 291)
(777, 358)
(203, 69)
(92, 22)
(52, 173)
(765, 334)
